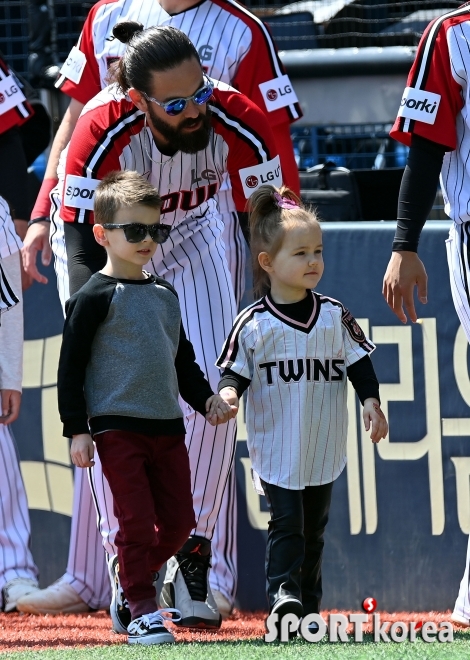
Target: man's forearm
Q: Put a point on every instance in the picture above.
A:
(62, 137)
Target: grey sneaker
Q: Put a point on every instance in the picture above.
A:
(150, 628)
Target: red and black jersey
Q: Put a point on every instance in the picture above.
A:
(111, 134)
(14, 109)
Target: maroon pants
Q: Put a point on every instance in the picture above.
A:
(150, 479)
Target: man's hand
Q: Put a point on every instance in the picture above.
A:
(11, 401)
(405, 271)
(21, 227)
(373, 415)
(36, 240)
(82, 450)
(218, 410)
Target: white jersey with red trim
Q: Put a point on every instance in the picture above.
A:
(223, 32)
(111, 134)
(296, 409)
(436, 104)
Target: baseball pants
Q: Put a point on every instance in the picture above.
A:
(198, 270)
(458, 259)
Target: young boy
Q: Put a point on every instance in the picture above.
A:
(124, 360)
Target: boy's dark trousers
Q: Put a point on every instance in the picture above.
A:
(295, 543)
(150, 479)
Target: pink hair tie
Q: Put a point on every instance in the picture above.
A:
(284, 202)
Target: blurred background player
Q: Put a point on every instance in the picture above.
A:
(18, 573)
(434, 121)
(186, 145)
(235, 47)
(294, 350)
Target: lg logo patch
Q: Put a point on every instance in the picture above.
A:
(2, 98)
(271, 94)
(251, 181)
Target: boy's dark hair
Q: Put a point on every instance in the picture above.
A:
(155, 49)
(121, 189)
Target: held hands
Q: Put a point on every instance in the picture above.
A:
(219, 410)
(405, 271)
(372, 415)
(82, 450)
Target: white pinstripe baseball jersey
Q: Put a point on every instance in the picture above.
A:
(436, 105)
(296, 409)
(10, 242)
(111, 134)
(223, 32)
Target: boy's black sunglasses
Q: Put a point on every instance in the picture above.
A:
(135, 232)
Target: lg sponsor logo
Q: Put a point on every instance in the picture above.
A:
(8, 93)
(252, 181)
(273, 94)
(313, 628)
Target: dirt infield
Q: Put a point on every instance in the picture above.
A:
(20, 632)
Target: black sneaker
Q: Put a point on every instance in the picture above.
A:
(186, 586)
(119, 608)
(150, 629)
(287, 605)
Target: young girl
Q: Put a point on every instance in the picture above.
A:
(293, 349)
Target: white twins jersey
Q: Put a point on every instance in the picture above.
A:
(223, 32)
(296, 409)
(111, 134)
(436, 104)
(10, 242)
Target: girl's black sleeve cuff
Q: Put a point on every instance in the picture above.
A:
(232, 379)
(363, 379)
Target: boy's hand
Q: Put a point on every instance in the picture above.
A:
(219, 411)
(229, 394)
(373, 415)
(11, 401)
(82, 450)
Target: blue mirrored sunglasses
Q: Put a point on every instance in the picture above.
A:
(176, 106)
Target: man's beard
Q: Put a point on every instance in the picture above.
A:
(178, 140)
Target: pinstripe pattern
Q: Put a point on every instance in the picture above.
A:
(8, 298)
(458, 259)
(15, 531)
(296, 416)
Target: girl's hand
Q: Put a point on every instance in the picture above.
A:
(219, 411)
(11, 401)
(82, 450)
(373, 415)
(230, 395)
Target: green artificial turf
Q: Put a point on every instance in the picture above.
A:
(459, 649)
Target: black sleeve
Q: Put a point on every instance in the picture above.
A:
(192, 383)
(417, 191)
(363, 379)
(84, 312)
(84, 255)
(232, 379)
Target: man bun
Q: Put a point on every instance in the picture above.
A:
(125, 30)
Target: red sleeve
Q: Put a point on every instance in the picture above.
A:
(252, 158)
(89, 84)
(94, 151)
(259, 65)
(432, 99)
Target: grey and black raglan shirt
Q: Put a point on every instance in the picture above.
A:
(124, 359)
